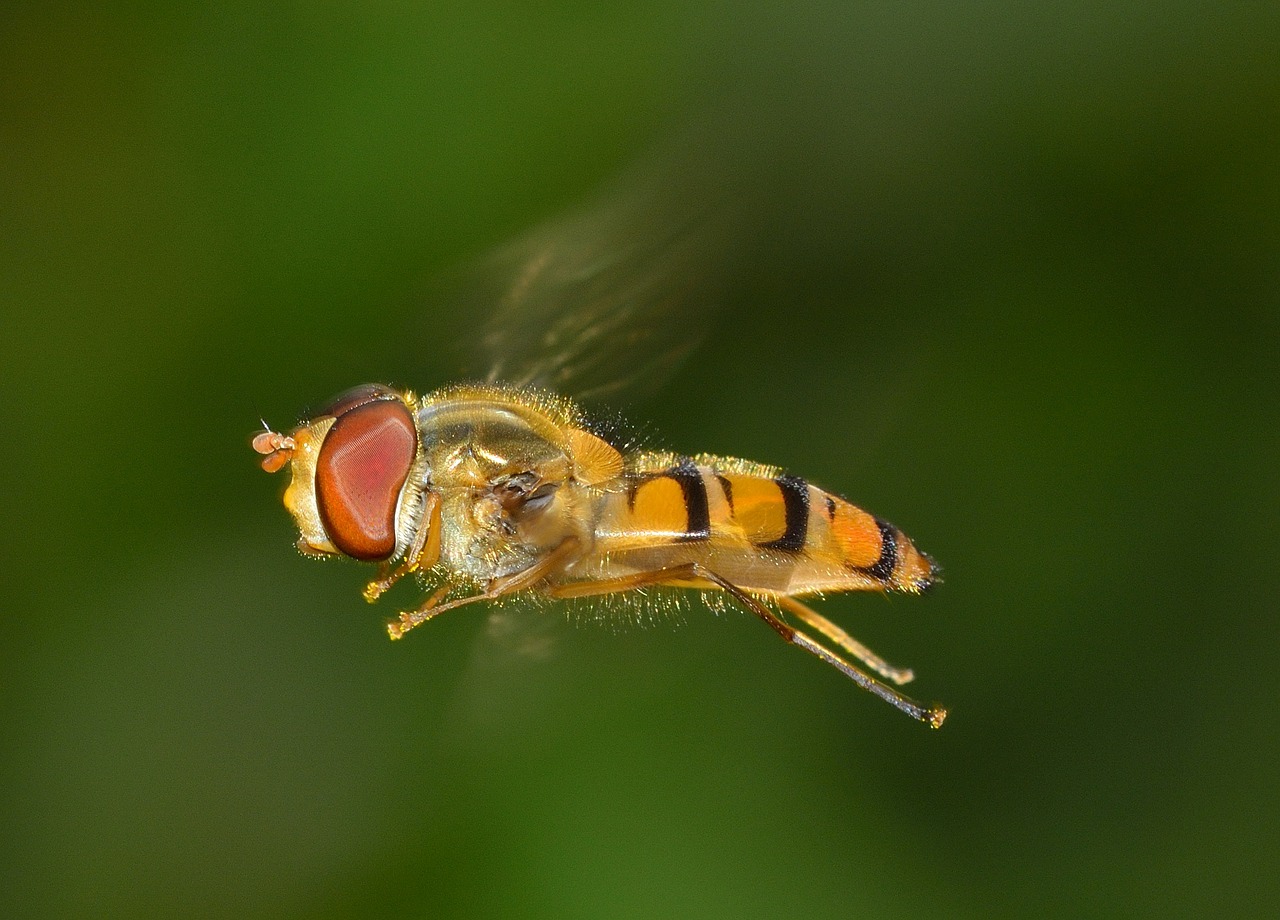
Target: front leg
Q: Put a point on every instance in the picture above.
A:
(423, 553)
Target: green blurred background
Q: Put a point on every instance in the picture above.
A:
(1020, 297)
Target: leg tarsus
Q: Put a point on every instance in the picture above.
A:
(387, 577)
(429, 608)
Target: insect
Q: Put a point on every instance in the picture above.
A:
(499, 490)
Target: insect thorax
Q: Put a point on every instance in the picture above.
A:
(502, 470)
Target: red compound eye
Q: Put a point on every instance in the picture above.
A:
(363, 463)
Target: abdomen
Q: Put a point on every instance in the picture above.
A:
(762, 529)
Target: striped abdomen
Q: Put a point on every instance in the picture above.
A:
(761, 529)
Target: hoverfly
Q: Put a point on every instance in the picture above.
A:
(503, 488)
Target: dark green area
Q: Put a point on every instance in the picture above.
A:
(1020, 297)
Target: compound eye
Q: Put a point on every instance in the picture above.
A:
(363, 463)
(353, 398)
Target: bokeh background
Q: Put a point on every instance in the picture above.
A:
(1019, 295)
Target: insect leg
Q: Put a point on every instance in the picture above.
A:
(498, 587)
(422, 554)
(696, 572)
(846, 641)
(430, 609)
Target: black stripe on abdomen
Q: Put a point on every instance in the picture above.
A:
(883, 567)
(694, 488)
(795, 500)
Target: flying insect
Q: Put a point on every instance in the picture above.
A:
(504, 488)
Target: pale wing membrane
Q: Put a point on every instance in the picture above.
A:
(611, 297)
(601, 304)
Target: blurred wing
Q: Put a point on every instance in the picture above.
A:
(610, 297)
(606, 299)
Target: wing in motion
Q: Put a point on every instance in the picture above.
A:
(610, 297)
